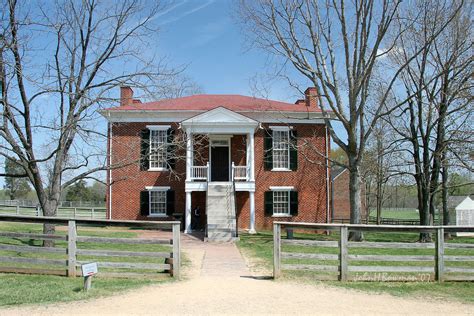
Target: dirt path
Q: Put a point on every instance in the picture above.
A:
(219, 282)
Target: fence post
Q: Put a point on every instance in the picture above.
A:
(343, 254)
(276, 250)
(75, 210)
(17, 207)
(92, 213)
(439, 255)
(176, 252)
(71, 249)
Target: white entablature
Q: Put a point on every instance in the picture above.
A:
(220, 121)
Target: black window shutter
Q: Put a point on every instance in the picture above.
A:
(268, 200)
(171, 149)
(268, 151)
(144, 149)
(293, 203)
(170, 202)
(145, 203)
(293, 150)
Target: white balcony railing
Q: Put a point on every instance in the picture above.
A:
(200, 172)
(240, 173)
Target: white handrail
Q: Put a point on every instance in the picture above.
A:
(199, 172)
(240, 172)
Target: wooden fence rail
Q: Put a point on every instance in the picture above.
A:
(346, 260)
(66, 212)
(72, 250)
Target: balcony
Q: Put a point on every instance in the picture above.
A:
(203, 173)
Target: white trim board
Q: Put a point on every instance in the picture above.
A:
(282, 188)
(151, 188)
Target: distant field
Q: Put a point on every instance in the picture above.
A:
(406, 213)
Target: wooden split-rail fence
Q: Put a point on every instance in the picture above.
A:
(128, 257)
(373, 261)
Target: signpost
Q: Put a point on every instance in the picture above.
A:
(88, 271)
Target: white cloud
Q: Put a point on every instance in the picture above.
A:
(178, 17)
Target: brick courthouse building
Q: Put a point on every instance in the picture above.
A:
(243, 161)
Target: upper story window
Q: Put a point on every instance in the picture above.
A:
(158, 149)
(281, 149)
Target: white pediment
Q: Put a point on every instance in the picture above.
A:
(220, 120)
(220, 115)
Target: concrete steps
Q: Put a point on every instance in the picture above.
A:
(221, 219)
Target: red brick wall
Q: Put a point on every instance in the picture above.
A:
(340, 199)
(129, 180)
(309, 179)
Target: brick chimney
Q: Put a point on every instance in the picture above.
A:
(311, 97)
(126, 96)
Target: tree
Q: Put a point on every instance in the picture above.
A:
(337, 46)
(16, 187)
(437, 86)
(78, 192)
(52, 88)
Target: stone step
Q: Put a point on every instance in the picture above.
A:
(220, 236)
(220, 230)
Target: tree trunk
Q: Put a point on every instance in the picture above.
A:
(424, 210)
(355, 199)
(50, 207)
(444, 195)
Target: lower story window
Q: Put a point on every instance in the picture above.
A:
(281, 202)
(157, 203)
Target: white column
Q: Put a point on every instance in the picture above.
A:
(187, 219)
(250, 156)
(189, 155)
(252, 213)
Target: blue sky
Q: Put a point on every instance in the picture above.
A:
(203, 35)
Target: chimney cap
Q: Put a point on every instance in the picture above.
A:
(311, 91)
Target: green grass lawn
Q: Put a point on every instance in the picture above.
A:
(26, 289)
(16, 289)
(261, 246)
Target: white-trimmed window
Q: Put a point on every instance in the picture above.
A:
(157, 200)
(158, 147)
(281, 203)
(281, 149)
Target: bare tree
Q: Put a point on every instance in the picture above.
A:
(438, 86)
(59, 63)
(336, 46)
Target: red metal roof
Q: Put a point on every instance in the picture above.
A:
(205, 102)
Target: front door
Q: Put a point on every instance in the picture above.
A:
(219, 163)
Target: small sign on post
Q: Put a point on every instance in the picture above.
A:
(88, 271)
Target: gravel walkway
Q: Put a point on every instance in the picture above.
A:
(219, 282)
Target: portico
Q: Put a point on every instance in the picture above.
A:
(220, 125)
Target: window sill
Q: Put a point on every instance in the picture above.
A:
(281, 169)
(158, 215)
(282, 215)
(158, 169)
